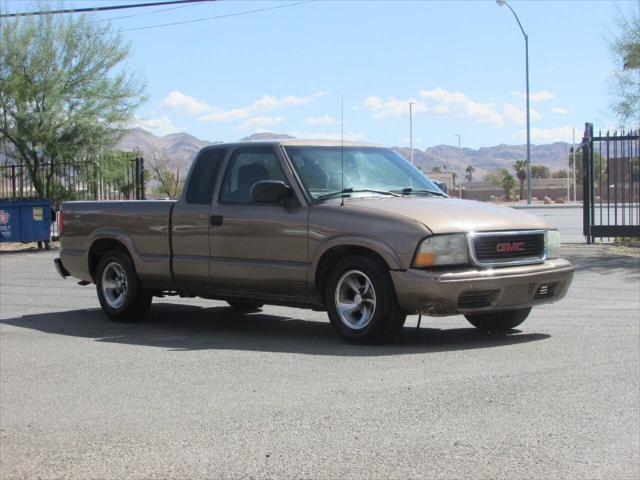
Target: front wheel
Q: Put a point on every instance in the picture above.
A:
(361, 301)
(119, 290)
(499, 321)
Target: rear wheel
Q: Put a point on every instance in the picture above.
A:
(499, 321)
(242, 306)
(119, 290)
(361, 301)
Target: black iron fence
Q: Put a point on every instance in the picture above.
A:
(113, 176)
(118, 176)
(611, 184)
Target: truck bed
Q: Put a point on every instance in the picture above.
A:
(143, 226)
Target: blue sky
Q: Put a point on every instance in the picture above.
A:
(284, 70)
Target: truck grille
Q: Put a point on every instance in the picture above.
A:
(502, 247)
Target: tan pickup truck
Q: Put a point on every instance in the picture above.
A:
(352, 229)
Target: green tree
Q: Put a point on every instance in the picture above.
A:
(495, 177)
(560, 174)
(540, 171)
(469, 174)
(436, 169)
(64, 92)
(521, 172)
(625, 81)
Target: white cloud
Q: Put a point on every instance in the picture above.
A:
(329, 135)
(179, 102)
(541, 96)
(260, 121)
(440, 102)
(158, 126)
(393, 107)
(546, 135)
(561, 111)
(459, 104)
(323, 120)
(517, 115)
(264, 104)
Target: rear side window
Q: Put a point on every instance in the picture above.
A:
(204, 175)
(246, 167)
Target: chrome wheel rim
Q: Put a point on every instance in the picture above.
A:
(114, 285)
(355, 299)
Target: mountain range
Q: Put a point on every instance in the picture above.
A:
(183, 148)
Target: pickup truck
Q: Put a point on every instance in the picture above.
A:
(350, 228)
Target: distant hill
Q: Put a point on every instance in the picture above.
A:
(183, 147)
(486, 159)
(177, 145)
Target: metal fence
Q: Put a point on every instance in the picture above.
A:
(611, 184)
(114, 176)
(110, 177)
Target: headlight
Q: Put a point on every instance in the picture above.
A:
(442, 250)
(552, 244)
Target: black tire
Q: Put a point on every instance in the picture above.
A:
(244, 306)
(499, 321)
(386, 320)
(132, 303)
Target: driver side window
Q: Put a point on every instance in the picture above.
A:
(246, 167)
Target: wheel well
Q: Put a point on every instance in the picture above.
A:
(99, 248)
(332, 256)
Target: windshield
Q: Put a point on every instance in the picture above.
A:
(374, 170)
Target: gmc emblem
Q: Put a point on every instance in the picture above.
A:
(510, 247)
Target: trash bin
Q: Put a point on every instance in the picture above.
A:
(25, 220)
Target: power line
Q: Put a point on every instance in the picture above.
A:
(102, 9)
(247, 12)
(148, 13)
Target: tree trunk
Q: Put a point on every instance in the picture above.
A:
(521, 188)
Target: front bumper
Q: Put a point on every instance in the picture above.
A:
(473, 290)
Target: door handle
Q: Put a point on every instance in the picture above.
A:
(215, 220)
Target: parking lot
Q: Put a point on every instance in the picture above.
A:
(200, 391)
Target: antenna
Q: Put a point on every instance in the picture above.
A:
(342, 147)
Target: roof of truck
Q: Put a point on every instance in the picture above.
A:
(299, 142)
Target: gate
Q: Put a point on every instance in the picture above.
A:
(611, 184)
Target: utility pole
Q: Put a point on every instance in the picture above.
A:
(574, 164)
(503, 3)
(411, 130)
(458, 135)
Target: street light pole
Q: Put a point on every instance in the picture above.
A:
(411, 130)
(458, 135)
(526, 49)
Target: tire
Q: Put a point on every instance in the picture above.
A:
(499, 321)
(374, 315)
(119, 292)
(242, 306)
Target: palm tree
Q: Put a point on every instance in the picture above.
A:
(470, 171)
(508, 182)
(521, 172)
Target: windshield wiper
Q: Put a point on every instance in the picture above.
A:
(348, 191)
(411, 191)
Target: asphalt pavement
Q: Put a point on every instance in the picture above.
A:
(199, 391)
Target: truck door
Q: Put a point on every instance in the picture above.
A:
(258, 247)
(190, 223)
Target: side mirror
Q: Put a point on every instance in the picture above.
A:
(270, 191)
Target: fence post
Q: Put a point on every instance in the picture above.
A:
(13, 181)
(140, 183)
(587, 181)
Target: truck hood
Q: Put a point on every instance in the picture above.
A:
(450, 215)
